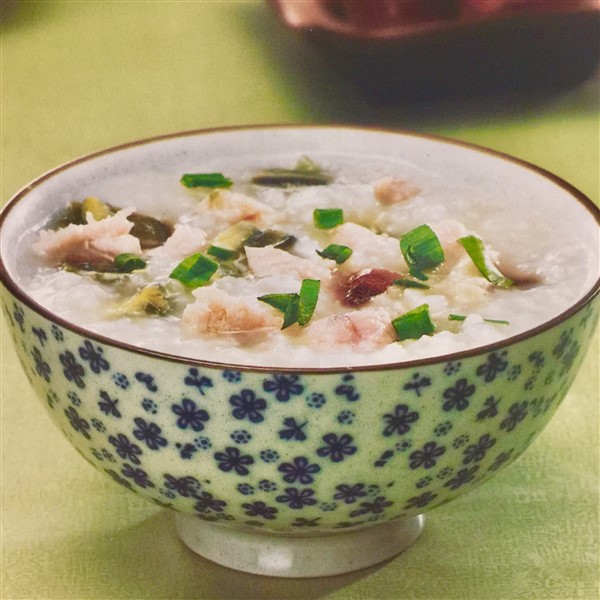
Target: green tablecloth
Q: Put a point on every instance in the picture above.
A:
(80, 76)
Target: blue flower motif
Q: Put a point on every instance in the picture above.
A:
(125, 449)
(57, 333)
(400, 421)
(245, 488)
(420, 501)
(203, 443)
(297, 498)
(427, 457)
(248, 406)
(259, 509)
(94, 356)
(476, 452)
(195, 379)
(337, 448)
(349, 493)
(299, 470)
(186, 486)
(121, 380)
(457, 397)
(147, 380)
(190, 415)
(149, 406)
(233, 460)
(240, 436)
(73, 371)
(267, 486)
(347, 390)
(316, 400)
(78, 423)
(516, 413)
(379, 504)
(284, 386)
(495, 365)
(149, 433)
(19, 316)
(41, 366)
(417, 382)
(40, 334)
(346, 417)
(232, 376)
(108, 405)
(139, 476)
(293, 430)
(74, 398)
(269, 456)
(208, 503)
(463, 476)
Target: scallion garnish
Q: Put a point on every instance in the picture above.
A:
(328, 218)
(336, 252)
(411, 283)
(208, 180)
(476, 250)
(309, 294)
(453, 317)
(296, 308)
(126, 262)
(414, 324)
(194, 271)
(221, 253)
(422, 250)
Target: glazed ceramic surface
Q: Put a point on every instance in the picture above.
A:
(304, 452)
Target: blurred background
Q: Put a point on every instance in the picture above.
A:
(79, 76)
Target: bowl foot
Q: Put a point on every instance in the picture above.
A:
(307, 556)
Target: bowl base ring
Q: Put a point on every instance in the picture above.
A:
(280, 555)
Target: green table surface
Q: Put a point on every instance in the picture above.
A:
(79, 76)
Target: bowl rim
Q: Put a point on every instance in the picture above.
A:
(16, 290)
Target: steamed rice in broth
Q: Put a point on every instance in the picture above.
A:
(310, 266)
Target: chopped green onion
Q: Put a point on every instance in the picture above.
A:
(208, 180)
(453, 317)
(305, 173)
(328, 218)
(221, 253)
(194, 271)
(422, 250)
(414, 324)
(278, 301)
(309, 294)
(296, 308)
(476, 250)
(126, 262)
(336, 252)
(291, 312)
(411, 283)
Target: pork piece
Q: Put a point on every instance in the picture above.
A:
(218, 312)
(90, 243)
(360, 330)
(392, 190)
(184, 241)
(267, 261)
(233, 207)
(369, 249)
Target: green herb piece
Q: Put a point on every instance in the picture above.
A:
(453, 317)
(221, 253)
(411, 283)
(336, 252)
(207, 180)
(194, 271)
(234, 237)
(151, 300)
(309, 294)
(328, 218)
(414, 324)
(476, 250)
(296, 308)
(126, 262)
(422, 250)
(305, 173)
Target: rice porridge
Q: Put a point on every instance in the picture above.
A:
(313, 263)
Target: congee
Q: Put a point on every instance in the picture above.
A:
(310, 264)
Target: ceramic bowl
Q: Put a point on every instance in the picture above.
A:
(415, 50)
(288, 472)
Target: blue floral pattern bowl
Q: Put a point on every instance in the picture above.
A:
(250, 453)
